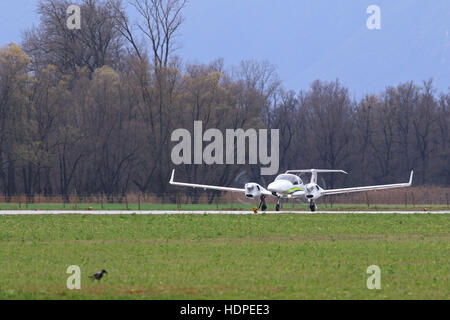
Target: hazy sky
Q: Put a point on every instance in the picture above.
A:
(306, 40)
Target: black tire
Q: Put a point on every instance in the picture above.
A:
(277, 207)
(264, 207)
(312, 207)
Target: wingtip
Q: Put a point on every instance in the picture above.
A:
(171, 177)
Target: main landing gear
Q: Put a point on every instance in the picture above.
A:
(262, 204)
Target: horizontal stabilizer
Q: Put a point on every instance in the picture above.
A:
(314, 172)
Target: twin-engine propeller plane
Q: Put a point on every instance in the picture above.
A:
(288, 186)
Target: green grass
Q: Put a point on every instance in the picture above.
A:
(284, 256)
(224, 206)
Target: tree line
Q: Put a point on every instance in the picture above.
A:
(92, 111)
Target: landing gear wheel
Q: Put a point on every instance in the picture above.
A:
(277, 207)
(262, 204)
(312, 206)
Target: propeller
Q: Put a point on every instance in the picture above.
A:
(241, 179)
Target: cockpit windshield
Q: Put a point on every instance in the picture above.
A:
(289, 177)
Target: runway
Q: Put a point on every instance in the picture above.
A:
(187, 212)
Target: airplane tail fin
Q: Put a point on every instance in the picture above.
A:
(314, 172)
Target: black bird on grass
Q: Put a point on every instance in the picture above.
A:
(98, 275)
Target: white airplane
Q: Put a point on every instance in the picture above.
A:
(289, 185)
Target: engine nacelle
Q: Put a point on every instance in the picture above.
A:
(253, 190)
(312, 191)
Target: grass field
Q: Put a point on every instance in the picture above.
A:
(284, 256)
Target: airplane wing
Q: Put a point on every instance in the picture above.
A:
(368, 188)
(203, 186)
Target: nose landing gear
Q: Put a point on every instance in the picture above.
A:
(312, 205)
(277, 206)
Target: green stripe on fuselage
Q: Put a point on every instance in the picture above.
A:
(293, 189)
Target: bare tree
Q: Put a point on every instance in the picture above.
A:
(441, 157)
(364, 126)
(383, 140)
(403, 99)
(96, 44)
(424, 119)
(159, 22)
(126, 28)
(329, 113)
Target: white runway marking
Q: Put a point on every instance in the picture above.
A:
(168, 212)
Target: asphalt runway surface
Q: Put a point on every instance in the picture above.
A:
(181, 212)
